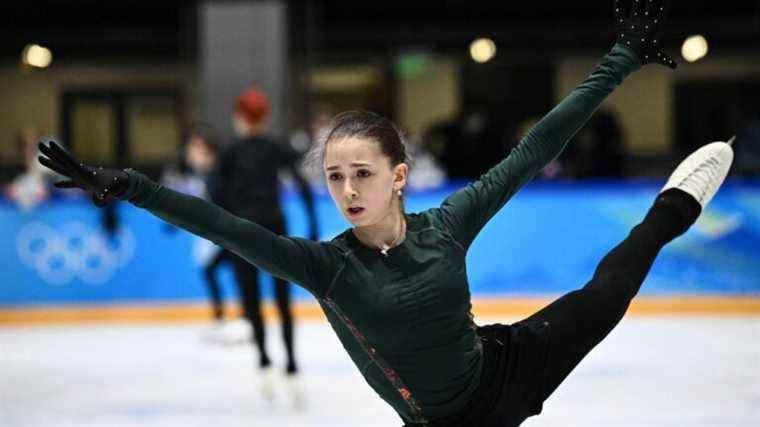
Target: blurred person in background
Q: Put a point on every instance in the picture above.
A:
(32, 185)
(303, 139)
(190, 175)
(597, 149)
(463, 145)
(394, 285)
(180, 175)
(425, 172)
(201, 151)
(748, 145)
(245, 182)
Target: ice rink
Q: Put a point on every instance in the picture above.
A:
(651, 371)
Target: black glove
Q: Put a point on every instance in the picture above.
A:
(103, 185)
(638, 25)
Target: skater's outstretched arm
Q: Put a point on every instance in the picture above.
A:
(293, 259)
(465, 212)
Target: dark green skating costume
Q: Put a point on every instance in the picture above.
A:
(404, 318)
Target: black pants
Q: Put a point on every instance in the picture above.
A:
(247, 278)
(526, 361)
(212, 284)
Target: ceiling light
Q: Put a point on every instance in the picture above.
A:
(482, 50)
(36, 56)
(694, 48)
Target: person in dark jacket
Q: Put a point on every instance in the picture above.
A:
(197, 158)
(394, 285)
(245, 182)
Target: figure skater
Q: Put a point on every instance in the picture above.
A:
(394, 286)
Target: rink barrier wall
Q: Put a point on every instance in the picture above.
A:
(511, 309)
(546, 241)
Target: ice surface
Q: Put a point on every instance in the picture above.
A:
(651, 371)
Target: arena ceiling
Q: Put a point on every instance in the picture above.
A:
(86, 28)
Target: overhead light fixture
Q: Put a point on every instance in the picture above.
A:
(482, 50)
(36, 56)
(694, 48)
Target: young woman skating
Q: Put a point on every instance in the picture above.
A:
(394, 286)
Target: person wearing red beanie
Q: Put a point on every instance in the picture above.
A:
(245, 182)
(251, 113)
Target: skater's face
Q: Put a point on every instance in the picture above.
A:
(361, 180)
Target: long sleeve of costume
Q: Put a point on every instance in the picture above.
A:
(293, 259)
(465, 212)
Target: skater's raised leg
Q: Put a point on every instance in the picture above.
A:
(582, 318)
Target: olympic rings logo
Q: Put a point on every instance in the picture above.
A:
(74, 251)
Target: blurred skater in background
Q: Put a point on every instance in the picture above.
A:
(190, 175)
(33, 184)
(245, 182)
